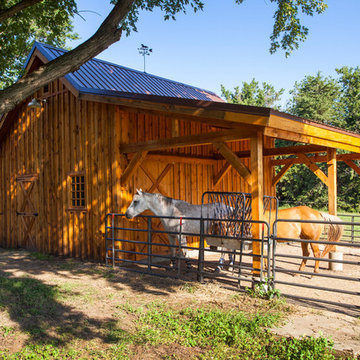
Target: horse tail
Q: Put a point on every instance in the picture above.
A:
(335, 231)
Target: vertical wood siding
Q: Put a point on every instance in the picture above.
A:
(68, 135)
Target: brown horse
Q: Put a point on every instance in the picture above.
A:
(309, 231)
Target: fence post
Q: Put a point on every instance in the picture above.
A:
(201, 252)
(179, 250)
(274, 235)
(149, 246)
(113, 239)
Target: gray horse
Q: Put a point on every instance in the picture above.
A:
(163, 206)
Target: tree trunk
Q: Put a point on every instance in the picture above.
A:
(108, 33)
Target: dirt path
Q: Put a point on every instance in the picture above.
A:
(97, 292)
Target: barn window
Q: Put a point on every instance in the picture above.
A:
(46, 88)
(77, 200)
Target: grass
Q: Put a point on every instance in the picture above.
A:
(53, 329)
(223, 334)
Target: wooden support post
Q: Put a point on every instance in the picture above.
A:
(257, 192)
(332, 196)
(332, 191)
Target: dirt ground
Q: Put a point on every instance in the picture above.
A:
(100, 291)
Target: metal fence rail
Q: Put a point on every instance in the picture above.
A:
(135, 249)
(142, 246)
(351, 228)
(345, 282)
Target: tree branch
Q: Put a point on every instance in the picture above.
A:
(108, 33)
(11, 11)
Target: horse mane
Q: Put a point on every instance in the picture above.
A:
(166, 199)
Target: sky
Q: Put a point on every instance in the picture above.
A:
(229, 43)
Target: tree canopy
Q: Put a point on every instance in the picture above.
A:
(51, 23)
(316, 98)
(48, 21)
(333, 101)
(253, 94)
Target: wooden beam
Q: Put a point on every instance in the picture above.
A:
(314, 168)
(180, 158)
(132, 167)
(332, 188)
(202, 110)
(286, 150)
(221, 174)
(317, 159)
(257, 193)
(353, 166)
(233, 160)
(312, 130)
(186, 141)
(311, 139)
(281, 173)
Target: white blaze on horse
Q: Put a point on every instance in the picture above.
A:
(163, 207)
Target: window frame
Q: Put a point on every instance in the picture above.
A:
(80, 180)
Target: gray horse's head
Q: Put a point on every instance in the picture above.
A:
(138, 205)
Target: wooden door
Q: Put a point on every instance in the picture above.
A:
(26, 210)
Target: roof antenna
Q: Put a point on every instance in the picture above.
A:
(144, 50)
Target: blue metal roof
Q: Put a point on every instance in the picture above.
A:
(104, 78)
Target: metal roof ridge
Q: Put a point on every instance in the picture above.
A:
(141, 73)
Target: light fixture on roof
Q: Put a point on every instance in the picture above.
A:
(144, 50)
(36, 103)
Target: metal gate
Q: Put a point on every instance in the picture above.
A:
(337, 284)
(132, 247)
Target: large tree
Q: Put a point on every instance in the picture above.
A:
(316, 98)
(334, 101)
(349, 79)
(287, 33)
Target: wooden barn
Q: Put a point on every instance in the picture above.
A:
(85, 143)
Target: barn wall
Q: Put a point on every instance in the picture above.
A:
(68, 136)
(64, 137)
(182, 181)
(186, 181)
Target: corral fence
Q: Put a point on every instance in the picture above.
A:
(141, 245)
(351, 227)
(142, 250)
(338, 281)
